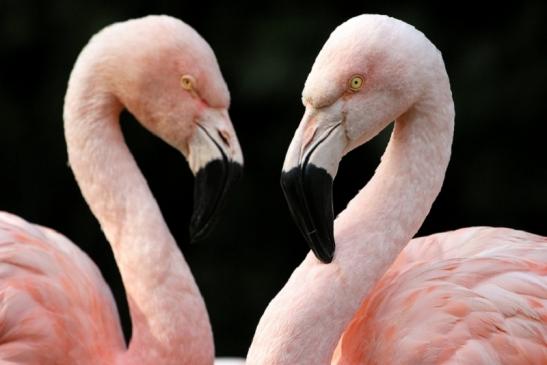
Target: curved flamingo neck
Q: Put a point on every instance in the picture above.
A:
(381, 219)
(305, 321)
(169, 318)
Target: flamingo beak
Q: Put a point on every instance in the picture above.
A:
(217, 163)
(307, 178)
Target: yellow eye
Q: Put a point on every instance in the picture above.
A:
(356, 83)
(187, 82)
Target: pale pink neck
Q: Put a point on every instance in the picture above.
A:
(303, 324)
(169, 318)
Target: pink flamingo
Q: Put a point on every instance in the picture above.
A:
(55, 307)
(473, 296)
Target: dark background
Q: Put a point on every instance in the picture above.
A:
(495, 56)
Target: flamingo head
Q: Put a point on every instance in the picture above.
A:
(370, 71)
(164, 73)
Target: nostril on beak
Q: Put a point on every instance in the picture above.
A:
(224, 136)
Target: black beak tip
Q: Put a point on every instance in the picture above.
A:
(326, 259)
(212, 184)
(324, 255)
(308, 191)
(322, 246)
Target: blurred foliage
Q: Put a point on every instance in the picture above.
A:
(496, 58)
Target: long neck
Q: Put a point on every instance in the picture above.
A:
(303, 324)
(169, 318)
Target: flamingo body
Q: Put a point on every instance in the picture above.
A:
(475, 296)
(54, 302)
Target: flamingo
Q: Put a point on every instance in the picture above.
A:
(55, 307)
(471, 296)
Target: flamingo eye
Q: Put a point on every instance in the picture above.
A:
(356, 83)
(187, 82)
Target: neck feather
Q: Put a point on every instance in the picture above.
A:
(168, 314)
(303, 324)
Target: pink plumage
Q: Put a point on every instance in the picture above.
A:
(473, 296)
(54, 303)
(55, 308)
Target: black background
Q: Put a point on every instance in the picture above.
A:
(495, 56)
